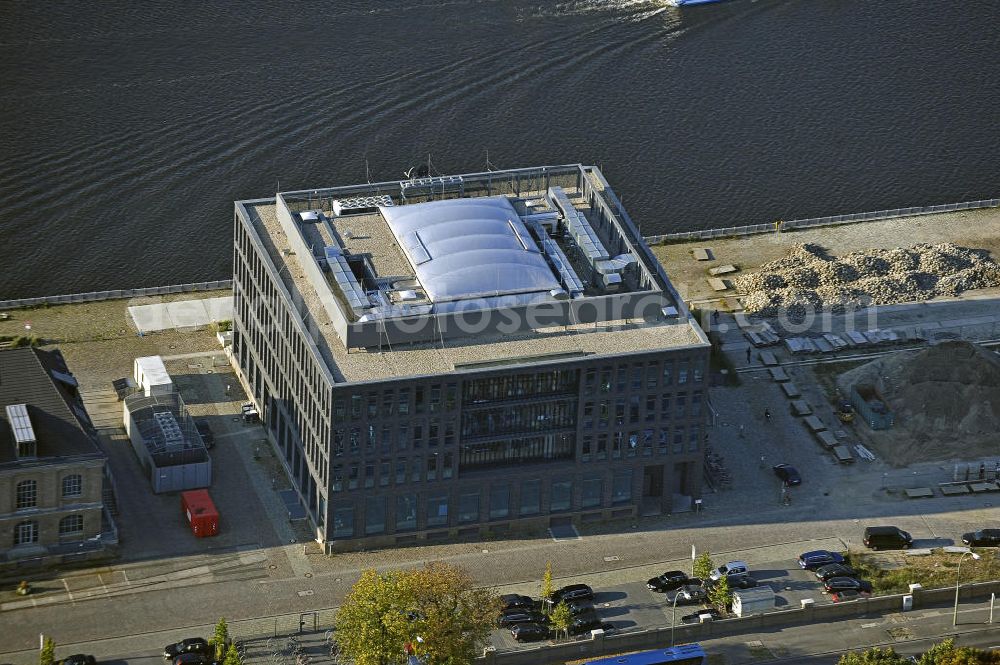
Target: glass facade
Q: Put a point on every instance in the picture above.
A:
(531, 497)
(562, 495)
(499, 501)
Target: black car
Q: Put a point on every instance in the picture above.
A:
(695, 617)
(688, 595)
(189, 645)
(510, 617)
(580, 606)
(78, 659)
(787, 474)
(847, 583)
(668, 581)
(529, 632)
(572, 592)
(585, 622)
(887, 538)
(823, 573)
(737, 581)
(513, 601)
(193, 658)
(816, 558)
(205, 431)
(982, 538)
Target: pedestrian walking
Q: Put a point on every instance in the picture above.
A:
(982, 471)
(228, 388)
(749, 351)
(767, 415)
(741, 431)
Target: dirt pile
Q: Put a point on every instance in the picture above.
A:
(945, 398)
(808, 277)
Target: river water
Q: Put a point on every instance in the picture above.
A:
(127, 129)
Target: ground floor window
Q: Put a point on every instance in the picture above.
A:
(468, 507)
(621, 489)
(406, 512)
(531, 497)
(437, 510)
(499, 502)
(375, 515)
(562, 495)
(343, 522)
(591, 490)
(71, 525)
(26, 533)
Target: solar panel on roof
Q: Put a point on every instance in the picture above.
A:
(17, 416)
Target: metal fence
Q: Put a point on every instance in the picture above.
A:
(813, 222)
(116, 294)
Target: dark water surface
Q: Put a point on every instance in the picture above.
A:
(127, 129)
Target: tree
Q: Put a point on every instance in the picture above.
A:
(454, 617)
(873, 656)
(220, 640)
(720, 595)
(703, 566)
(946, 653)
(232, 656)
(547, 588)
(372, 623)
(47, 656)
(437, 603)
(561, 619)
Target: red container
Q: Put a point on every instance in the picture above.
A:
(200, 512)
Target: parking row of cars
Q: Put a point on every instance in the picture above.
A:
(528, 622)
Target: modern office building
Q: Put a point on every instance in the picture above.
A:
(443, 356)
(52, 473)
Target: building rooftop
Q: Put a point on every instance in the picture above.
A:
(546, 259)
(40, 381)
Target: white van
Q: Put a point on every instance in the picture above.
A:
(730, 570)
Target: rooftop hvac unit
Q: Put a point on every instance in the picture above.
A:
(173, 437)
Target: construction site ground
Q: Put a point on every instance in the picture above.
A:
(978, 229)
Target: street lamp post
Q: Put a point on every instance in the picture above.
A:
(958, 574)
(673, 616)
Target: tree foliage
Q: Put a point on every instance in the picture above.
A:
(703, 566)
(873, 656)
(946, 653)
(47, 656)
(232, 656)
(547, 588)
(437, 603)
(561, 618)
(220, 639)
(720, 595)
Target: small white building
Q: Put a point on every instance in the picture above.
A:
(753, 601)
(151, 376)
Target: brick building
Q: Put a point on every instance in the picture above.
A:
(443, 356)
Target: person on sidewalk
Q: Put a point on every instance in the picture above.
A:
(749, 351)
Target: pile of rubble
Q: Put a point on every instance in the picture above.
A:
(810, 279)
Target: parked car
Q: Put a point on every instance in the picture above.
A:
(511, 617)
(579, 606)
(848, 594)
(787, 474)
(736, 581)
(512, 601)
(887, 538)
(205, 431)
(730, 569)
(78, 659)
(816, 558)
(668, 581)
(823, 573)
(982, 538)
(847, 584)
(193, 658)
(529, 632)
(572, 592)
(585, 622)
(189, 645)
(688, 594)
(695, 617)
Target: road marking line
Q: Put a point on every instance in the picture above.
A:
(102, 583)
(126, 578)
(68, 592)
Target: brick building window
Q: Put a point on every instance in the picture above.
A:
(72, 485)
(26, 533)
(27, 494)
(71, 525)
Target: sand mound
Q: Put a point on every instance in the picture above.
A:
(809, 278)
(946, 400)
